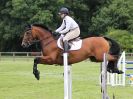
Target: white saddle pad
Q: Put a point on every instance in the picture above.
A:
(75, 45)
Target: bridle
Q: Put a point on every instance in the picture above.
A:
(34, 41)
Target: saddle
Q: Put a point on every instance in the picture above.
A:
(74, 44)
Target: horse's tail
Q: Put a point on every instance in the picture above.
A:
(114, 47)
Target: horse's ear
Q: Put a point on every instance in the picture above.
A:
(28, 27)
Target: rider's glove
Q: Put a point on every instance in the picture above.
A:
(56, 33)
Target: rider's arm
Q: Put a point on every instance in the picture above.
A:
(67, 27)
(61, 27)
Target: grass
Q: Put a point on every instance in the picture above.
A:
(18, 82)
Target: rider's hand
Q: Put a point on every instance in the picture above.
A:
(56, 33)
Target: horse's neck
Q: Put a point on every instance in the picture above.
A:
(48, 47)
(48, 43)
(42, 35)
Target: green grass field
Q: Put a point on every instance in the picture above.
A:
(18, 82)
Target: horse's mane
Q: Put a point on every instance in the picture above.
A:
(42, 26)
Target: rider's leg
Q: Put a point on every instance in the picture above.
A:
(69, 36)
(72, 34)
(66, 46)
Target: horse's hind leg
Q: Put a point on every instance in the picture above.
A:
(35, 71)
(112, 65)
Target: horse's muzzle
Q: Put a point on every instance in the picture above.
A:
(25, 45)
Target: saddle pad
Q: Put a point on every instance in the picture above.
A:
(75, 45)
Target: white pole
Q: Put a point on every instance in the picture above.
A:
(67, 78)
(69, 82)
(124, 68)
(104, 78)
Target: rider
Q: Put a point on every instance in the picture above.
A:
(69, 28)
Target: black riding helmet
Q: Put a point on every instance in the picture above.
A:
(64, 10)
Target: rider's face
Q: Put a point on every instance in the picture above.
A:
(62, 15)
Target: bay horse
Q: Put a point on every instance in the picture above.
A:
(92, 47)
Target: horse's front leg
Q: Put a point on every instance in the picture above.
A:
(35, 70)
(41, 60)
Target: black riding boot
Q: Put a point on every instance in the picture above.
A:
(66, 46)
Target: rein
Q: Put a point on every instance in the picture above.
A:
(36, 41)
(46, 39)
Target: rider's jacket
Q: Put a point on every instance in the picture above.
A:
(67, 25)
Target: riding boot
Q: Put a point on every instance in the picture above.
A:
(66, 46)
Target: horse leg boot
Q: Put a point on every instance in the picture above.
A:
(66, 46)
(112, 68)
(35, 71)
(116, 70)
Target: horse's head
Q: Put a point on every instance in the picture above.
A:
(36, 33)
(28, 38)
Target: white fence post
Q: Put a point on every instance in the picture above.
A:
(104, 77)
(118, 79)
(67, 78)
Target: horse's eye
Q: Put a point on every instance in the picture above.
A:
(27, 32)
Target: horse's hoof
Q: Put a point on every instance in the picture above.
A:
(120, 72)
(36, 74)
(115, 71)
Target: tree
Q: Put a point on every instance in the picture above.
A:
(16, 14)
(83, 11)
(117, 15)
(123, 37)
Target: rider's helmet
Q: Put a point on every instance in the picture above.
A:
(64, 10)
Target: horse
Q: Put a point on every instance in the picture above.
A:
(92, 47)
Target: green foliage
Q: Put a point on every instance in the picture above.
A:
(83, 11)
(124, 38)
(16, 14)
(117, 15)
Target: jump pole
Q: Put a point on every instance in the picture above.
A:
(104, 77)
(67, 78)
